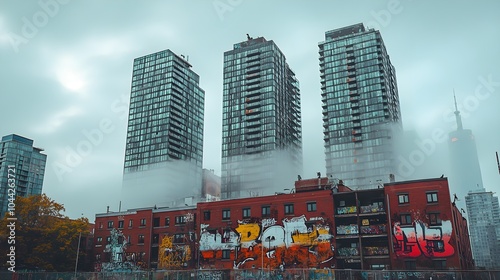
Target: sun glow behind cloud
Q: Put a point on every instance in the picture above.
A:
(70, 75)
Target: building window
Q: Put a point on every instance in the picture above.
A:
(108, 239)
(266, 211)
(436, 245)
(432, 197)
(206, 215)
(377, 266)
(434, 219)
(143, 222)
(439, 264)
(288, 209)
(100, 225)
(99, 240)
(130, 223)
(110, 224)
(226, 254)
(156, 237)
(180, 220)
(403, 198)
(167, 221)
(179, 238)
(246, 213)
(120, 224)
(98, 257)
(140, 240)
(406, 219)
(226, 214)
(156, 222)
(311, 206)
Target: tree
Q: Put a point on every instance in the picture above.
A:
(44, 238)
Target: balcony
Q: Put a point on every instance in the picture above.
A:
(252, 70)
(253, 144)
(373, 208)
(373, 229)
(376, 251)
(347, 210)
(253, 130)
(351, 229)
(253, 124)
(348, 252)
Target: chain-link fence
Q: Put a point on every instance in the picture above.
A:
(257, 274)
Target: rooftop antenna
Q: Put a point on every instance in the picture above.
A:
(457, 113)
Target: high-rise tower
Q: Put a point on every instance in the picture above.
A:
(164, 149)
(484, 227)
(465, 170)
(361, 113)
(27, 168)
(262, 133)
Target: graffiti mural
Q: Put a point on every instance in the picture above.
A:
(119, 259)
(422, 239)
(171, 256)
(267, 244)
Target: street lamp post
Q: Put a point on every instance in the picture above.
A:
(78, 252)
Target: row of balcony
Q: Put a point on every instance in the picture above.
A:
(367, 251)
(365, 209)
(354, 229)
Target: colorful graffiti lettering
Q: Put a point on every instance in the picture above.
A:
(420, 239)
(296, 242)
(172, 256)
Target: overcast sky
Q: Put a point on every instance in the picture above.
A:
(66, 70)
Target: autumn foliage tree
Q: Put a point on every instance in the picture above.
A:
(44, 237)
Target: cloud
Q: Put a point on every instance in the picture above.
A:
(57, 120)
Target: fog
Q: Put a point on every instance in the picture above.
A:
(176, 183)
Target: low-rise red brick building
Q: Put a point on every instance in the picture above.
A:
(290, 229)
(428, 231)
(319, 224)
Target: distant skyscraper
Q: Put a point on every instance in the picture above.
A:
(361, 113)
(465, 170)
(164, 149)
(262, 133)
(484, 227)
(29, 166)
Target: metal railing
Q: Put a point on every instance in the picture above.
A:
(257, 274)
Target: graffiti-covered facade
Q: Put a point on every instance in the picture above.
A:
(320, 224)
(285, 230)
(427, 230)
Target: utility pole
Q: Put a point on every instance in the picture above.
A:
(77, 253)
